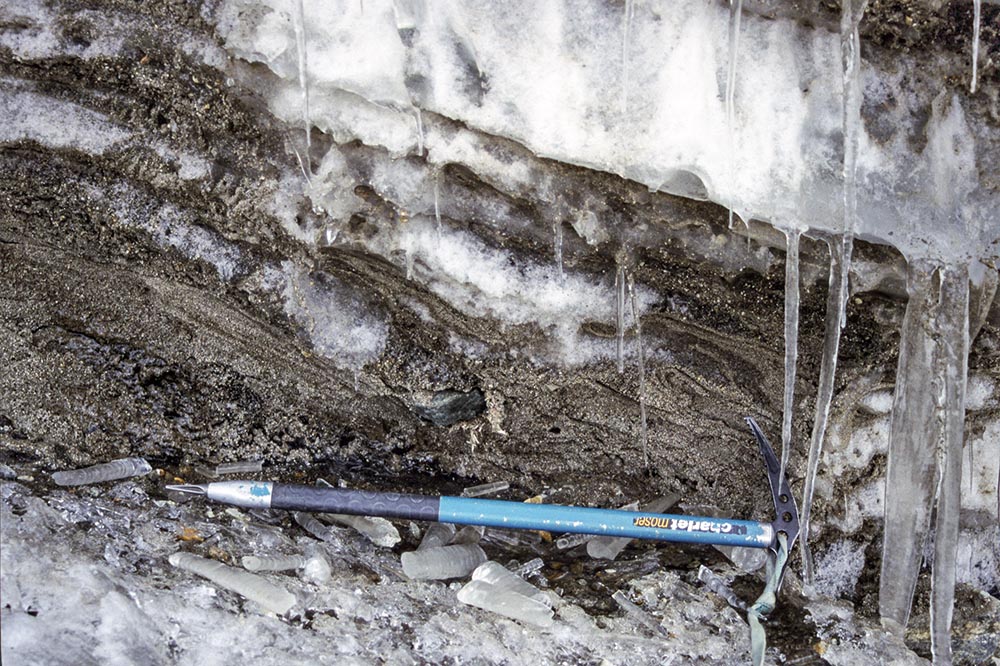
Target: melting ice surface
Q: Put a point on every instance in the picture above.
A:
(541, 76)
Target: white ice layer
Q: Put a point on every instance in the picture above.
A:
(55, 123)
(541, 75)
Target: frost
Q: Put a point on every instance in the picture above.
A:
(339, 325)
(838, 569)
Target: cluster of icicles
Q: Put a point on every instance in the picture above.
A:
(927, 425)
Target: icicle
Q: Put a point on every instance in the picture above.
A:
(420, 131)
(850, 55)
(378, 530)
(496, 574)
(643, 438)
(912, 466)
(976, 14)
(839, 249)
(791, 342)
(626, 38)
(557, 236)
(735, 13)
(620, 310)
(953, 329)
(300, 47)
(437, 204)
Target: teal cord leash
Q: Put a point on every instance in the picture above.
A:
(767, 600)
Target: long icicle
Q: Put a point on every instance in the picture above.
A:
(953, 321)
(626, 38)
(643, 430)
(620, 310)
(557, 241)
(976, 17)
(914, 431)
(850, 54)
(839, 249)
(735, 14)
(791, 342)
(437, 205)
(301, 47)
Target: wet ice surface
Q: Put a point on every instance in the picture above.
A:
(85, 579)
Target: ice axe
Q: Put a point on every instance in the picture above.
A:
(777, 537)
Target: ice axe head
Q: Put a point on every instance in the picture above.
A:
(786, 515)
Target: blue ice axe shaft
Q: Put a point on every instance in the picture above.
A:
(518, 515)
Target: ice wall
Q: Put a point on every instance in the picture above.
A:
(549, 77)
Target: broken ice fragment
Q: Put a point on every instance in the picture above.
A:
(309, 523)
(608, 548)
(111, 471)
(378, 530)
(273, 563)
(316, 568)
(268, 595)
(505, 580)
(443, 562)
(636, 613)
(469, 534)
(437, 534)
(572, 540)
(239, 467)
(531, 566)
(485, 489)
(510, 604)
(715, 583)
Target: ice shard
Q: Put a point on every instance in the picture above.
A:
(378, 530)
(637, 614)
(443, 562)
(269, 596)
(643, 431)
(505, 602)
(437, 534)
(485, 489)
(505, 580)
(715, 583)
(791, 342)
(110, 471)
